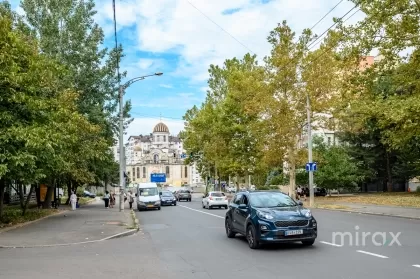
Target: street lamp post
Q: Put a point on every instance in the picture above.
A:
(121, 131)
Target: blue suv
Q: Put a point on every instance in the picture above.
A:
(269, 217)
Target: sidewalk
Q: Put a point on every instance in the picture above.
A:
(394, 211)
(91, 222)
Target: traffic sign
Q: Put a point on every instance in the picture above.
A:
(158, 177)
(183, 155)
(310, 166)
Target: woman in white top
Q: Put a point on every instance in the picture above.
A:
(106, 199)
(73, 201)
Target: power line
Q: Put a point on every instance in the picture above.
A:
(335, 23)
(224, 30)
(154, 116)
(332, 9)
(116, 42)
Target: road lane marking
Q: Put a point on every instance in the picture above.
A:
(416, 265)
(372, 254)
(332, 244)
(214, 215)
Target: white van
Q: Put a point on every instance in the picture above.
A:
(148, 196)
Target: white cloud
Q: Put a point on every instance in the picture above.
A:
(143, 66)
(176, 26)
(145, 126)
(166, 85)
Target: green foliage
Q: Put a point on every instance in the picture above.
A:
(335, 167)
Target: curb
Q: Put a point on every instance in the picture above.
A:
(136, 223)
(31, 222)
(370, 213)
(119, 235)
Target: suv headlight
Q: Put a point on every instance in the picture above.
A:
(308, 214)
(264, 215)
(141, 203)
(157, 202)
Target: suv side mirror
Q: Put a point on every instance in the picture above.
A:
(243, 206)
(300, 203)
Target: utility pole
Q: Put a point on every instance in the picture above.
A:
(121, 144)
(311, 173)
(121, 131)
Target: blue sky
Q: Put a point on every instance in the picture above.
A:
(181, 38)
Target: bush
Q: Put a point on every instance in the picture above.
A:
(418, 189)
(99, 194)
(80, 191)
(13, 216)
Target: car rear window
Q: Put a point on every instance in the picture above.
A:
(217, 194)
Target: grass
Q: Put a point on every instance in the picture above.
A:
(12, 215)
(394, 199)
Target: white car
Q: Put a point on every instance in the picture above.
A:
(215, 199)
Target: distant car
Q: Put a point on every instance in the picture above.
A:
(89, 194)
(183, 195)
(215, 199)
(320, 191)
(270, 217)
(167, 198)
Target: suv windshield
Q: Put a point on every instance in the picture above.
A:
(166, 194)
(217, 194)
(145, 192)
(271, 199)
(184, 191)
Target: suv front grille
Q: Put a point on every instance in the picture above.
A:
(292, 223)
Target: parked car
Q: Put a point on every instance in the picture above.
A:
(215, 199)
(167, 198)
(183, 195)
(88, 194)
(320, 191)
(270, 217)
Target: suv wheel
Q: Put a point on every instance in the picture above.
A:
(251, 237)
(228, 227)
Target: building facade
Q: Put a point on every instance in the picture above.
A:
(158, 152)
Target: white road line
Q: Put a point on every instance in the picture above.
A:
(416, 265)
(372, 254)
(332, 244)
(214, 215)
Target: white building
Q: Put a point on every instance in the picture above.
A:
(158, 152)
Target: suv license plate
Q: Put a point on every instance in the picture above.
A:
(294, 232)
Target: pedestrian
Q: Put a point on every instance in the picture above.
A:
(299, 192)
(130, 199)
(112, 200)
(73, 200)
(106, 199)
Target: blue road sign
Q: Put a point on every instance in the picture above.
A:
(158, 177)
(310, 167)
(183, 155)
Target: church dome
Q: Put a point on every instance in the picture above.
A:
(161, 128)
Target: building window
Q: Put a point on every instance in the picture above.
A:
(156, 159)
(329, 140)
(186, 171)
(138, 172)
(134, 173)
(164, 138)
(144, 172)
(167, 171)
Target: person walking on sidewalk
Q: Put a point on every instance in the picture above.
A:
(112, 200)
(106, 199)
(130, 199)
(73, 200)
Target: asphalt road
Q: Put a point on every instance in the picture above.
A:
(187, 241)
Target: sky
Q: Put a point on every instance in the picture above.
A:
(181, 38)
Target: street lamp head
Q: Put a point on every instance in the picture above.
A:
(158, 74)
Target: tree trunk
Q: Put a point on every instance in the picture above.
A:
(69, 189)
(389, 173)
(237, 183)
(28, 198)
(2, 188)
(19, 186)
(247, 179)
(48, 196)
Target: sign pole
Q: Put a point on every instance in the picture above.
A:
(311, 170)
